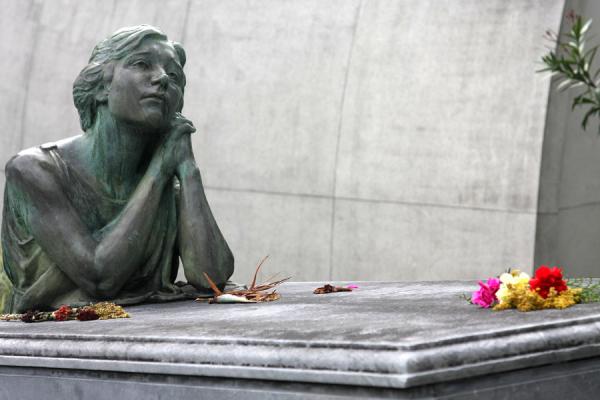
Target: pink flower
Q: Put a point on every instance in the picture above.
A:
(352, 286)
(486, 295)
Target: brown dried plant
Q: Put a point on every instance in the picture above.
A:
(254, 293)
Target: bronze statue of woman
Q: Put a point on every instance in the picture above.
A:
(106, 215)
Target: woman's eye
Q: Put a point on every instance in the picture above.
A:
(173, 76)
(140, 64)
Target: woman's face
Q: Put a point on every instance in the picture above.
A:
(147, 86)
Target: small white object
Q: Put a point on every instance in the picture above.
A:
(230, 298)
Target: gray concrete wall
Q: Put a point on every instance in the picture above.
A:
(568, 227)
(348, 139)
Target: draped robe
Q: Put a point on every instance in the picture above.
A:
(26, 262)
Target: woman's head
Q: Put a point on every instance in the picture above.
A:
(91, 87)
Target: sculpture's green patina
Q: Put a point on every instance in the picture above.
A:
(108, 214)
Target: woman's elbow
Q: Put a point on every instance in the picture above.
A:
(103, 289)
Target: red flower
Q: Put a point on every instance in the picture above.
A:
(62, 314)
(546, 278)
(87, 314)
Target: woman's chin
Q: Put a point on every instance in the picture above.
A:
(156, 125)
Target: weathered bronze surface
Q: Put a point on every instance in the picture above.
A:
(109, 213)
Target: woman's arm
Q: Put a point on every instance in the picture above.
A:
(201, 244)
(98, 266)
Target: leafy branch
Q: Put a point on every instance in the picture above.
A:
(571, 62)
(590, 288)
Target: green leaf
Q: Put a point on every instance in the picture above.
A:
(576, 102)
(562, 86)
(585, 27)
(571, 85)
(566, 69)
(580, 100)
(577, 26)
(588, 114)
(577, 84)
(589, 56)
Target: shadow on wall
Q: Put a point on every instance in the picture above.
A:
(568, 226)
(349, 140)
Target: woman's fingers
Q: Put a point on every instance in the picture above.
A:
(180, 124)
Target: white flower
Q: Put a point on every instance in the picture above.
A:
(515, 277)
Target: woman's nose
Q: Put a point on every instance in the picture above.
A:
(161, 79)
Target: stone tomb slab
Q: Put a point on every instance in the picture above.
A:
(384, 340)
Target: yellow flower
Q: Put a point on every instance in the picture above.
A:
(511, 281)
(521, 297)
(107, 310)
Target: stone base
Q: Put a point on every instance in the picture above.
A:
(384, 340)
(573, 380)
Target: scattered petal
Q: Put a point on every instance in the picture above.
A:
(327, 288)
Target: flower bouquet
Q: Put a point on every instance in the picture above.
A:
(547, 289)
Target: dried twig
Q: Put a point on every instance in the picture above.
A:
(256, 272)
(254, 294)
(213, 286)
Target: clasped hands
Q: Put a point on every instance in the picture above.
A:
(174, 153)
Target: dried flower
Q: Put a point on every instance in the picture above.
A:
(87, 314)
(106, 310)
(28, 316)
(327, 288)
(63, 313)
(254, 294)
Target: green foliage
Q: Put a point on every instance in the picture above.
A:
(466, 297)
(590, 288)
(571, 62)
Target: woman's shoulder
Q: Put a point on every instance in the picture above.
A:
(26, 162)
(36, 163)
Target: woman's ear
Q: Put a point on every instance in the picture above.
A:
(102, 94)
(107, 74)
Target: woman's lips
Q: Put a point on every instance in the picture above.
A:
(155, 96)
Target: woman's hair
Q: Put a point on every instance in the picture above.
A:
(92, 78)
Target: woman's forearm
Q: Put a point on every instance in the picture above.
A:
(202, 246)
(122, 248)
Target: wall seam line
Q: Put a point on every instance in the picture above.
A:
(185, 22)
(28, 71)
(546, 135)
(339, 135)
(373, 201)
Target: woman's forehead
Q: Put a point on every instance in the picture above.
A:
(157, 47)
